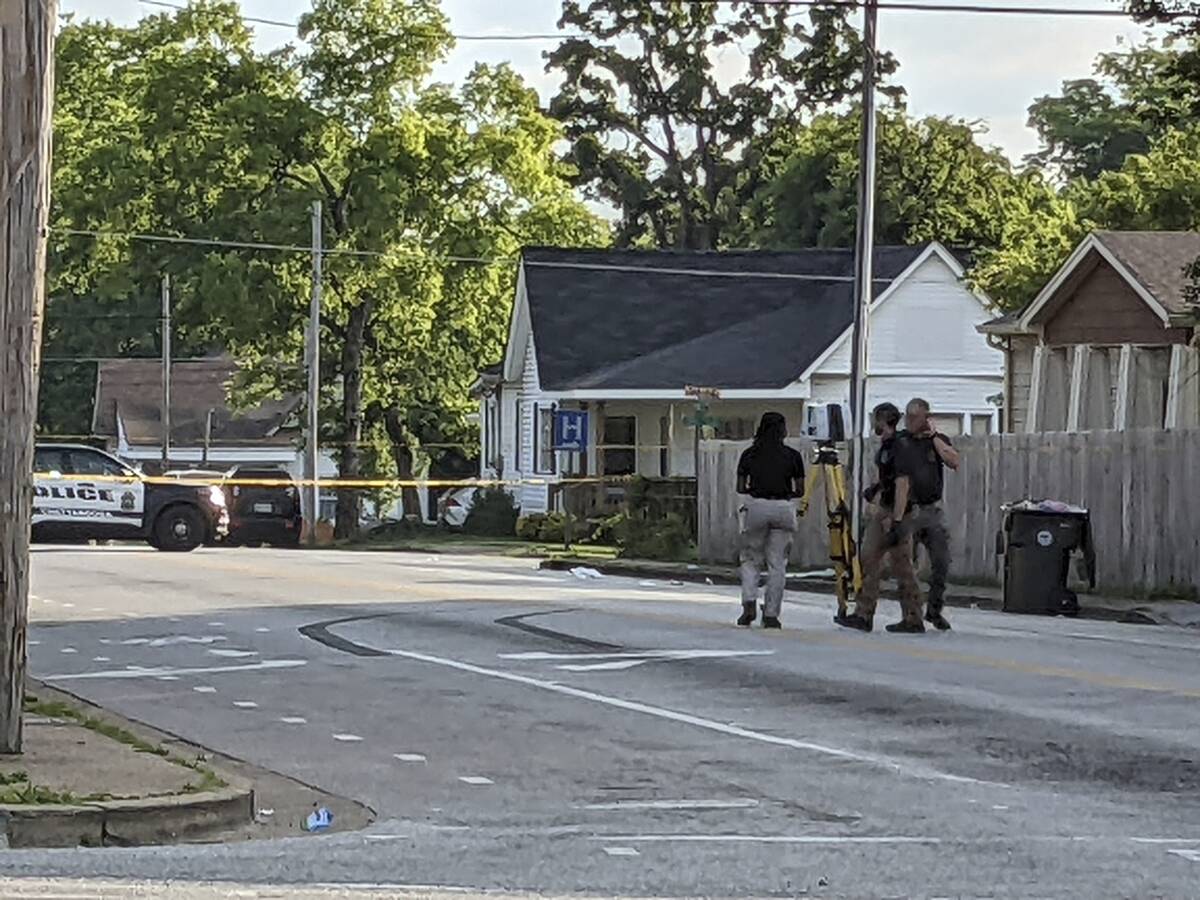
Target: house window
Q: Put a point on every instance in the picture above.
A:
(544, 441)
(619, 446)
(737, 429)
(981, 423)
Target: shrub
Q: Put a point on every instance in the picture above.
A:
(529, 528)
(493, 514)
(554, 528)
(666, 538)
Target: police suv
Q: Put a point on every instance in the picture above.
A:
(84, 493)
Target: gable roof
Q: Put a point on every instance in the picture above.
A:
(134, 388)
(627, 319)
(1151, 262)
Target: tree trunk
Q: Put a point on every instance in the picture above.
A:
(349, 500)
(402, 452)
(26, 85)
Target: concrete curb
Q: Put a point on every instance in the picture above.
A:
(957, 596)
(125, 823)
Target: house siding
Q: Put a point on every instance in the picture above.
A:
(1104, 309)
(1021, 381)
(533, 498)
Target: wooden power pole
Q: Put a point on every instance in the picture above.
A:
(26, 92)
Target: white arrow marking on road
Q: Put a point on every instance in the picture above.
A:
(627, 659)
(199, 670)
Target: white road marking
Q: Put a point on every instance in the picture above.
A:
(621, 851)
(347, 738)
(999, 808)
(216, 624)
(1193, 855)
(133, 642)
(68, 650)
(674, 804)
(69, 605)
(245, 704)
(106, 640)
(32, 643)
(611, 662)
(187, 639)
(199, 670)
(204, 689)
(232, 654)
(263, 630)
(293, 720)
(1149, 840)
(475, 779)
(410, 757)
(764, 839)
(913, 770)
(101, 659)
(168, 677)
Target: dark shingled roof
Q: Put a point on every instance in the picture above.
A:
(614, 319)
(1157, 259)
(135, 387)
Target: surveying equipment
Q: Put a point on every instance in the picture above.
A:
(826, 424)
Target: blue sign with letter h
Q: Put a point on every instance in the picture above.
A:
(570, 430)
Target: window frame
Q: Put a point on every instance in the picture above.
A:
(545, 457)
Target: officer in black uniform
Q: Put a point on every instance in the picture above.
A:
(922, 455)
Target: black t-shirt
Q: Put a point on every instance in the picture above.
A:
(917, 458)
(770, 470)
(885, 461)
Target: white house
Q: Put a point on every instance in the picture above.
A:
(627, 335)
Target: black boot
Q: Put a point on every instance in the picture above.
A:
(906, 627)
(749, 614)
(855, 621)
(771, 622)
(935, 618)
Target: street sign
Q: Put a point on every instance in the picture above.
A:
(571, 430)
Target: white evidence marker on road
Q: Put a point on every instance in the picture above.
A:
(410, 757)
(293, 720)
(621, 851)
(204, 689)
(475, 779)
(245, 704)
(347, 738)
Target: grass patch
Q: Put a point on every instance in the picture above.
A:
(433, 540)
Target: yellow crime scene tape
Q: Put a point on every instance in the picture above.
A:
(206, 480)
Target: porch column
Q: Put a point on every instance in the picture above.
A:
(1122, 405)
(1078, 395)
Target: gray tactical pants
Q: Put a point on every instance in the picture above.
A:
(927, 525)
(767, 528)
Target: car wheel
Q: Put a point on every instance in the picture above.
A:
(254, 544)
(179, 529)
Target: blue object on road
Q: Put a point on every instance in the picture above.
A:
(318, 820)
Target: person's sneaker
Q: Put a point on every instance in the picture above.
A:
(935, 618)
(854, 620)
(771, 622)
(747, 617)
(906, 628)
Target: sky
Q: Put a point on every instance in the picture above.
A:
(977, 67)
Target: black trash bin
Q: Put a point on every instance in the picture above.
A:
(1037, 542)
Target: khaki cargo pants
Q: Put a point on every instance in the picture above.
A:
(767, 530)
(875, 551)
(927, 525)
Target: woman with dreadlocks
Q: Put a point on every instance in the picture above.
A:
(770, 478)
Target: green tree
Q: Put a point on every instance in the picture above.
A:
(1095, 123)
(662, 134)
(421, 185)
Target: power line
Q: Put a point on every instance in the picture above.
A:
(939, 7)
(558, 36)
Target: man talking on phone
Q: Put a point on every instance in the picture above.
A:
(922, 454)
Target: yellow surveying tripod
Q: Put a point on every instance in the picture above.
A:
(827, 469)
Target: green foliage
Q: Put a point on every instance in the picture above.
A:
(180, 126)
(549, 528)
(659, 135)
(667, 537)
(493, 514)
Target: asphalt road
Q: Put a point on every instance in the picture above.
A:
(526, 731)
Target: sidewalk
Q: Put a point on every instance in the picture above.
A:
(1181, 613)
(87, 777)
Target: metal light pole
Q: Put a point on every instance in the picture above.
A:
(166, 370)
(313, 364)
(864, 251)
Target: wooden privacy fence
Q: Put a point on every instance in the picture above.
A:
(1142, 488)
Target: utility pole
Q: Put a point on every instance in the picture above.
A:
(165, 326)
(313, 354)
(864, 252)
(26, 94)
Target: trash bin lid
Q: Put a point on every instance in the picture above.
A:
(1052, 507)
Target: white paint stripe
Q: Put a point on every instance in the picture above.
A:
(168, 677)
(764, 839)
(915, 771)
(293, 720)
(263, 630)
(204, 689)
(636, 654)
(675, 804)
(1193, 855)
(475, 779)
(621, 851)
(410, 757)
(232, 654)
(1149, 840)
(245, 704)
(32, 643)
(347, 738)
(216, 624)
(68, 650)
(146, 673)
(133, 642)
(187, 639)
(101, 659)
(69, 605)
